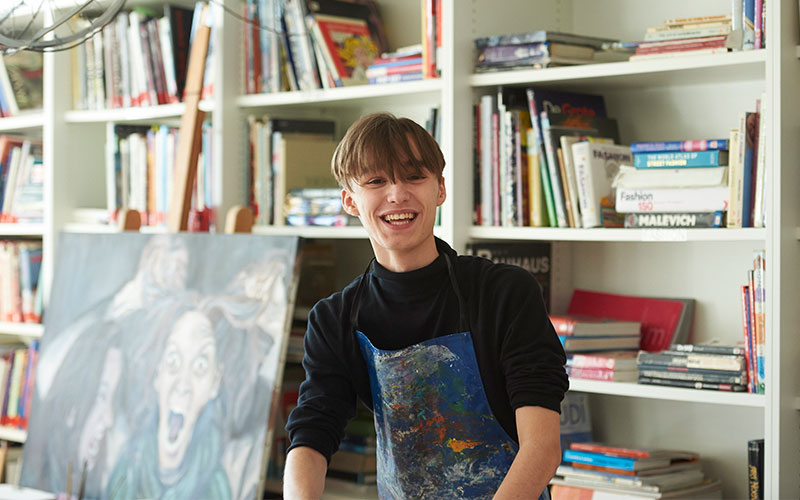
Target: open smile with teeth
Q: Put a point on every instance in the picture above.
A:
(399, 219)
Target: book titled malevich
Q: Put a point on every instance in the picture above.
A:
(672, 200)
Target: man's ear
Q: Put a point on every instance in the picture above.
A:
(349, 203)
(442, 192)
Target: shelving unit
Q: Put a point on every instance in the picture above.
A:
(682, 97)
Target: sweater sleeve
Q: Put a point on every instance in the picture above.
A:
(327, 397)
(532, 356)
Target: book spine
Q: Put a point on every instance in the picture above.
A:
(683, 369)
(680, 53)
(373, 72)
(511, 53)
(712, 386)
(695, 376)
(682, 34)
(709, 349)
(678, 220)
(396, 63)
(684, 46)
(672, 200)
(601, 374)
(755, 469)
(676, 146)
(748, 338)
(610, 450)
(691, 360)
(400, 77)
(487, 107)
(760, 324)
(555, 178)
(676, 159)
(679, 42)
(599, 459)
(590, 361)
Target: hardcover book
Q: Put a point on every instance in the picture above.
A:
(596, 165)
(586, 326)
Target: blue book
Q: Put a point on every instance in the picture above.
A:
(404, 62)
(679, 159)
(672, 146)
(622, 463)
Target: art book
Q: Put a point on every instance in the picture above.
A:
(160, 364)
(661, 318)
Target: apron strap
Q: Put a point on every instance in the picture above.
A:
(463, 319)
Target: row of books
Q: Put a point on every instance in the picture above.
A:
(300, 45)
(754, 307)
(285, 155)
(138, 59)
(21, 77)
(595, 470)
(21, 180)
(17, 369)
(140, 160)
(523, 156)
(20, 274)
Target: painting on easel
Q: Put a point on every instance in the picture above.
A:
(158, 364)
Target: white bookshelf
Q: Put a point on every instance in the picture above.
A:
(17, 230)
(689, 97)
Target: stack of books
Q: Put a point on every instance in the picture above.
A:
(688, 36)
(537, 49)
(674, 184)
(401, 65)
(583, 333)
(596, 470)
(355, 461)
(21, 180)
(316, 207)
(716, 368)
(20, 287)
(608, 366)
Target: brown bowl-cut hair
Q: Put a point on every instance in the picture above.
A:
(384, 143)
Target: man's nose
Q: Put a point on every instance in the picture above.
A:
(398, 192)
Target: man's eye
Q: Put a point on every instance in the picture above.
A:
(376, 181)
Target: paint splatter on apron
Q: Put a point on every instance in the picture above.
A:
(437, 435)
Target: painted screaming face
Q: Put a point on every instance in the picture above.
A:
(101, 416)
(188, 378)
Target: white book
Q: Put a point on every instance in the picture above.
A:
(631, 177)
(596, 165)
(671, 200)
(761, 164)
(734, 176)
(165, 38)
(487, 109)
(569, 169)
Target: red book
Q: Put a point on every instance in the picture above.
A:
(659, 317)
(616, 451)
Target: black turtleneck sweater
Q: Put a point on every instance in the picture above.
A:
(520, 358)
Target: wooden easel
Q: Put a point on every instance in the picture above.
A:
(239, 219)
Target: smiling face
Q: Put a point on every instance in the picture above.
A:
(398, 215)
(188, 378)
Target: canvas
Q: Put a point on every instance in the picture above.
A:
(159, 359)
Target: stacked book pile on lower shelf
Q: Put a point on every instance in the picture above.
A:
(600, 471)
(355, 464)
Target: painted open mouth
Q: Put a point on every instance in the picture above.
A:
(175, 424)
(399, 219)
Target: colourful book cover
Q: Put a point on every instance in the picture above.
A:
(711, 158)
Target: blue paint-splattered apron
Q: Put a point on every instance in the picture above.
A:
(437, 436)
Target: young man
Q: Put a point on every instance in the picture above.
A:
(455, 355)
